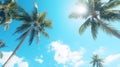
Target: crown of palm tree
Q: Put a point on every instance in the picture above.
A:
(35, 25)
(99, 12)
(10, 10)
(96, 61)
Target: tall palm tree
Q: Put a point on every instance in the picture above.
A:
(96, 61)
(100, 12)
(33, 26)
(9, 10)
(2, 44)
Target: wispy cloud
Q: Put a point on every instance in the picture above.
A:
(40, 59)
(64, 55)
(15, 60)
(112, 58)
(100, 50)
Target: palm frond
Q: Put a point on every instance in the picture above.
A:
(22, 36)
(32, 36)
(21, 15)
(42, 16)
(48, 23)
(35, 11)
(2, 44)
(22, 28)
(6, 2)
(84, 26)
(38, 37)
(108, 29)
(45, 33)
(111, 4)
(6, 24)
(94, 29)
(91, 4)
(110, 15)
(97, 4)
(25, 18)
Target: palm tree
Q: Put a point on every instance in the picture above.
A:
(33, 27)
(2, 44)
(96, 61)
(10, 10)
(98, 14)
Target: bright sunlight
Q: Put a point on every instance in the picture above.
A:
(81, 9)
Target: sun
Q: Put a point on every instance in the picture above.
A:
(81, 9)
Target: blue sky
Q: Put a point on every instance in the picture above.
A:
(65, 47)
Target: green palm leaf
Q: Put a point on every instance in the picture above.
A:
(48, 23)
(35, 11)
(110, 15)
(45, 33)
(22, 36)
(42, 16)
(96, 61)
(111, 4)
(94, 29)
(22, 28)
(32, 36)
(84, 26)
(110, 30)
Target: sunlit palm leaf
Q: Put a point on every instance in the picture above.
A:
(42, 17)
(48, 23)
(7, 22)
(84, 26)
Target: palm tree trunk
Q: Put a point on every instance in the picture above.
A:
(16, 49)
(109, 29)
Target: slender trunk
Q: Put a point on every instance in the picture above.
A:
(16, 49)
(109, 29)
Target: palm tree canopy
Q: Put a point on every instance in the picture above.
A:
(96, 61)
(37, 24)
(99, 12)
(10, 10)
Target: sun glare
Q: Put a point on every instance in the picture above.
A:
(81, 9)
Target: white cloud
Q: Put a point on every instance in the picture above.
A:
(13, 61)
(64, 55)
(100, 50)
(40, 59)
(112, 58)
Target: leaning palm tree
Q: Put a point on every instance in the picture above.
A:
(100, 12)
(33, 26)
(96, 61)
(2, 44)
